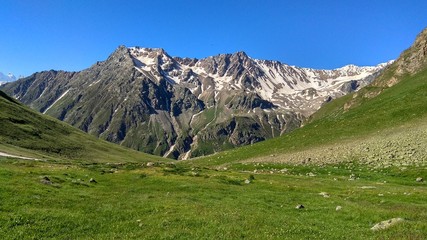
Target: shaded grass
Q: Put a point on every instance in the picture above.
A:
(26, 131)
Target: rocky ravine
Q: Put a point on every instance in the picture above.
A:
(180, 107)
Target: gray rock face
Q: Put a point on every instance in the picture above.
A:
(180, 107)
(409, 62)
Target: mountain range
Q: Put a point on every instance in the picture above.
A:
(182, 107)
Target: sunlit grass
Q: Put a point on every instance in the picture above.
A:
(177, 202)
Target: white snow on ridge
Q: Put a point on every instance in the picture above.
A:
(60, 97)
(277, 82)
(90, 85)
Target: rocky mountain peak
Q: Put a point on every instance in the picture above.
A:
(415, 57)
(241, 55)
(410, 61)
(7, 78)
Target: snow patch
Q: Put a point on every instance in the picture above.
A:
(60, 97)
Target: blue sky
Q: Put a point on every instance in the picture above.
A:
(73, 34)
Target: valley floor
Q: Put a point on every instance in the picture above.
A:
(42, 200)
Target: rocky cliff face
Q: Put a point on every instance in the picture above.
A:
(180, 107)
(411, 61)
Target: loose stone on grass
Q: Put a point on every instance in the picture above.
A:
(92, 180)
(46, 180)
(419, 179)
(150, 164)
(386, 224)
(338, 208)
(300, 206)
(324, 194)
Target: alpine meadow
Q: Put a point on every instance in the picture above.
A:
(144, 145)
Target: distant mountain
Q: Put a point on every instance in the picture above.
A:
(181, 107)
(6, 78)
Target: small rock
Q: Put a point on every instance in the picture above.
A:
(150, 164)
(300, 206)
(352, 177)
(324, 194)
(92, 180)
(247, 181)
(310, 174)
(386, 224)
(338, 208)
(46, 180)
(419, 179)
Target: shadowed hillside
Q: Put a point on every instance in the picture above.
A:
(26, 131)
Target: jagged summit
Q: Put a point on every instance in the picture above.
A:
(7, 78)
(284, 85)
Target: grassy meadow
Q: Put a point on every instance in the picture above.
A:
(179, 201)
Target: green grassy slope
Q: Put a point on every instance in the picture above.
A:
(402, 104)
(26, 132)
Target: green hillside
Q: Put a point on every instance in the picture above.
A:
(29, 133)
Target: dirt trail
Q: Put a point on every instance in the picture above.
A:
(15, 156)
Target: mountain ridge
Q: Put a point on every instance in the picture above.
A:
(182, 107)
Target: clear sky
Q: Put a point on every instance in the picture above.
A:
(73, 34)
